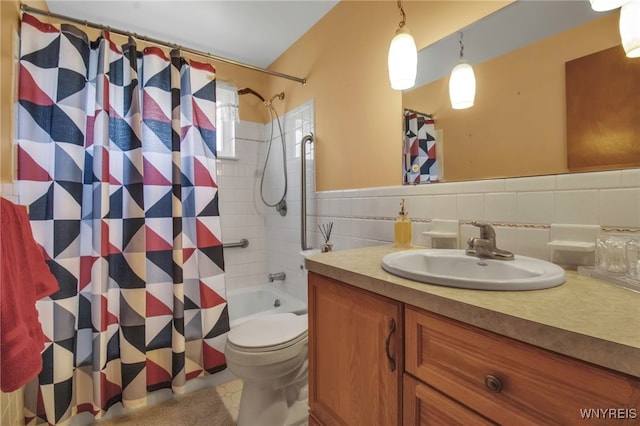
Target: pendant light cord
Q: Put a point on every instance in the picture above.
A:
(404, 16)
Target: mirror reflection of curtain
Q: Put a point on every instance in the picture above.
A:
(116, 159)
(419, 148)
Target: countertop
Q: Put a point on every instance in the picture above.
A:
(584, 318)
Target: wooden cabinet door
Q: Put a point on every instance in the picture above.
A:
(425, 406)
(355, 355)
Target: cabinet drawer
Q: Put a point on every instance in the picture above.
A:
(425, 406)
(512, 382)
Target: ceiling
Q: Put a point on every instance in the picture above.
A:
(250, 31)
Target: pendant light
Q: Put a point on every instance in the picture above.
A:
(604, 5)
(403, 57)
(462, 83)
(630, 28)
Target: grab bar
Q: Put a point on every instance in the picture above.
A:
(303, 209)
(243, 243)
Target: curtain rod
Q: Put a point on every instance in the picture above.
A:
(418, 112)
(29, 9)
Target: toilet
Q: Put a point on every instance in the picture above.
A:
(269, 354)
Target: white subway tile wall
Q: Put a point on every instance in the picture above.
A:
(521, 209)
(500, 207)
(577, 207)
(619, 207)
(631, 178)
(535, 207)
(274, 240)
(470, 207)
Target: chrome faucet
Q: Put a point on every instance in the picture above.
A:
(278, 276)
(485, 246)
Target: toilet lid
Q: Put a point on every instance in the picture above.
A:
(269, 330)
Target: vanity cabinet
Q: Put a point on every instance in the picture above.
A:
(355, 355)
(446, 372)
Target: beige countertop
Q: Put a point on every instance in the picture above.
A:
(584, 318)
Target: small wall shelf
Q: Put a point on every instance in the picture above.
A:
(573, 245)
(444, 233)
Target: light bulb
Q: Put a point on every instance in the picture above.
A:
(402, 60)
(462, 86)
(604, 5)
(630, 28)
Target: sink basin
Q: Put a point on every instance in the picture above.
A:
(454, 268)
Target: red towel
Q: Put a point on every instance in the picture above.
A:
(25, 278)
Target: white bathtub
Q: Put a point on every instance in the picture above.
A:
(247, 303)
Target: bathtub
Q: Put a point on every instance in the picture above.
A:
(247, 303)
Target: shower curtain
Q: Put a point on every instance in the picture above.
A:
(116, 160)
(419, 150)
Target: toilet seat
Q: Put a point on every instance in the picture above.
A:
(269, 333)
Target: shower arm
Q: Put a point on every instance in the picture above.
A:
(247, 90)
(303, 205)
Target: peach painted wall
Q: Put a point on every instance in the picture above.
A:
(358, 119)
(517, 125)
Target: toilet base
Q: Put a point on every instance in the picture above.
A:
(262, 405)
(299, 410)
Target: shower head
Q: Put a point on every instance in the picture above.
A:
(247, 90)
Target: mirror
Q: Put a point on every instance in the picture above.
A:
(518, 125)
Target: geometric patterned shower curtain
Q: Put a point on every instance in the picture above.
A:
(419, 149)
(116, 160)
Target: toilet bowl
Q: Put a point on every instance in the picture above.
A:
(269, 355)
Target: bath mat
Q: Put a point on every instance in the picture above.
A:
(196, 408)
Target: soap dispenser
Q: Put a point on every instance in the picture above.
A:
(402, 228)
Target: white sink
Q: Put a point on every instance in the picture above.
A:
(454, 268)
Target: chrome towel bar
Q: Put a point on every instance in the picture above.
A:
(243, 243)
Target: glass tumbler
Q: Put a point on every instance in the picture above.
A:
(617, 255)
(602, 253)
(633, 259)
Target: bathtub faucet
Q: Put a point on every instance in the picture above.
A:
(278, 276)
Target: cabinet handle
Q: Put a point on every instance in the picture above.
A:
(493, 383)
(392, 329)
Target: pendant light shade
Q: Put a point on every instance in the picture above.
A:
(403, 60)
(403, 57)
(462, 86)
(462, 83)
(630, 28)
(604, 5)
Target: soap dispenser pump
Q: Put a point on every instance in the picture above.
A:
(402, 228)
